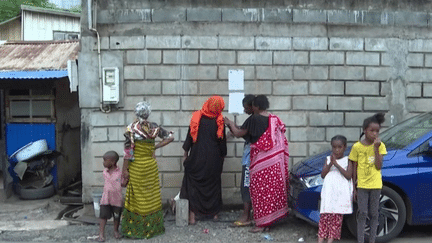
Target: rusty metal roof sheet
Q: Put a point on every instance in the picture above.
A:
(37, 55)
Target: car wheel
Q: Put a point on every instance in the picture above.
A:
(392, 216)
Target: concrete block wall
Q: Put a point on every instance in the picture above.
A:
(319, 87)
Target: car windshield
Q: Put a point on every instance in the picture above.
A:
(408, 131)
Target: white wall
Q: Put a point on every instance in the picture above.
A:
(40, 26)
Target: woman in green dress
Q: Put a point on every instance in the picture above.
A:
(143, 215)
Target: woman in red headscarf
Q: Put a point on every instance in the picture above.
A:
(205, 150)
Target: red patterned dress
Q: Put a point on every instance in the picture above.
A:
(269, 178)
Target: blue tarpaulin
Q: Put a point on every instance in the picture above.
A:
(46, 74)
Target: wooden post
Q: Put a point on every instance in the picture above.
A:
(182, 212)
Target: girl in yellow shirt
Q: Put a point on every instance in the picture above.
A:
(367, 157)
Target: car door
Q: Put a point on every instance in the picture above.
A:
(422, 205)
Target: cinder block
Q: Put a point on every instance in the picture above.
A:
(291, 57)
(362, 88)
(133, 15)
(115, 118)
(99, 149)
(200, 42)
(182, 212)
(293, 118)
(280, 103)
(327, 58)
(355, 119)
(414, 90)
(143, 87)
(362, 58)
(352, 134)
(133, 72)
(273, 43)
(249, 72)
(274, 72)
(420, 45)
(290, 88)
(204, 14)
(127, 42)
(376, 104)
(169, 15)
(277, 15)
(326, 119)
(231, 196)
(309, 16)
(319, 147)
(180, 57)
(162, 72)
(232, 165)
(104, 43)
(308, 43)
(326, 88)
(258, 87)
(378, 73)
(177, 118)
(347, 73)
(311, 72)
(236, 43)
(255, 57)
(297, 149)
(419, 105)
(174, 149)
(230, 150)
(427, 90)
(228, 180)
(179, 87)
(307, 134)
(99, 134)
(375, 44)
(240, 15)
(428, 60)
(115, 134)
(415, 60)
(169, 164)
(143, 57)
(310, 103)
(419, 75)
(217, 57)
(163, 42)
(411, 18)
(378, 18)
(164, 102)
(238, 177)
(345, 103)
(172, 179)
(199, 72)
(346, 44)
(213, 88)
(239, 149)
(344, 16)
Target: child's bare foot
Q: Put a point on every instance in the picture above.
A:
(100, 239)
(117, 235)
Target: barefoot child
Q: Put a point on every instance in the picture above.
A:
(367, 156)
(336, 193)
(111, 201)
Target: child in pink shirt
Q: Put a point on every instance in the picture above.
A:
(111, 202)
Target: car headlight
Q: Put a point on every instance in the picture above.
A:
(312, 181)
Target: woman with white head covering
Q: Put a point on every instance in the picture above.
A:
(142, 216)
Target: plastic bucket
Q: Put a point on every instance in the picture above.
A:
(96, 203)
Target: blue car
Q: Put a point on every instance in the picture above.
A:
(406, 197)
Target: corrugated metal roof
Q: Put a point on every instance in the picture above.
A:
(46, 74)
(37, 55)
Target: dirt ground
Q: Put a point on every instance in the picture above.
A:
(288, 230)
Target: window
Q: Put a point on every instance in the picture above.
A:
(30, 105)
(62, 35)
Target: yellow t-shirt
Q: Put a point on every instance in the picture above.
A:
(368, 176)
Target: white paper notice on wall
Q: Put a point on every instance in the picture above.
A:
(235, 105)
(236, 79)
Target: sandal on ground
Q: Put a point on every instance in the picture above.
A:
(241, 224)
(259, 229)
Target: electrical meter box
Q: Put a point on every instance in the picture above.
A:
(111, 86)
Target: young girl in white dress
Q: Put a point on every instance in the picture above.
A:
(337, 191)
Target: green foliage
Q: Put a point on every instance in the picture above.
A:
(11, 8)
(76, 8)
